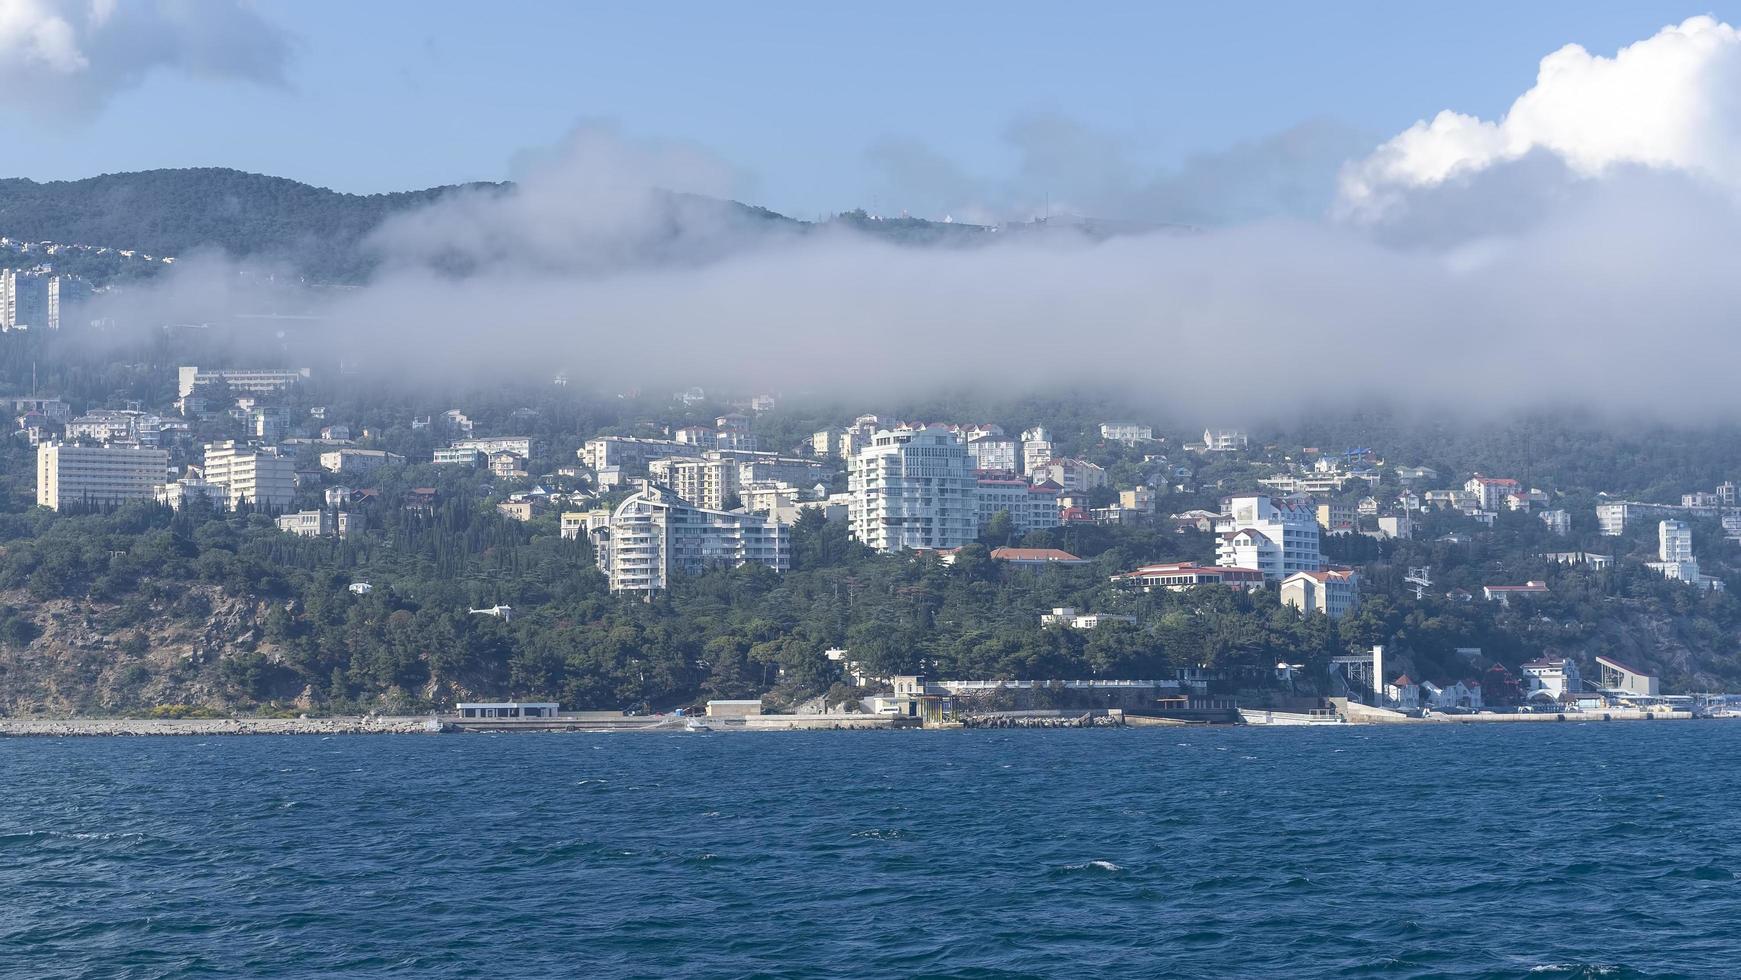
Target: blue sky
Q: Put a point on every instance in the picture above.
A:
(391, 95)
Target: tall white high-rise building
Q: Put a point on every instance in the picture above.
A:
(709, 482)
(1036, 448)
(912, 488)
(8, 300)
(1674, 541)
(655, 535)
(1277, 540)
(261, 476)
(97, 474)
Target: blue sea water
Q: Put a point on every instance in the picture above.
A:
(1459, 851)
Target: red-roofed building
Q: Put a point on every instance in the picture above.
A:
(1036, 556)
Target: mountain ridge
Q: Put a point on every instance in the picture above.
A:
(317, 231)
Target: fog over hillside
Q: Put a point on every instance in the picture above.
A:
(1538, 259)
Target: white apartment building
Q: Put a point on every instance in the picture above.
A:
(97, 474)
(1552, 677)
(1129, 433)
(1333, 591)
(1490, 492)
(993, 453)
(629, 456)
(261, 476)
(1277, 540)
(707, 482)
(1030, 508)
(1558, 521)
(1674, 541)
(179, 493)
(756, 467)
(112, 425)
(457, 457)
(312, 523)
(1072, 475)
(912, 488)
(257, 381)
(1225, 440)
(1036, 447)
(29, 301)
(654, 536)
(518, 445)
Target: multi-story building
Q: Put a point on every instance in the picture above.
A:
(1036, 448)
(1071, 475)
(261, 476)
(1278, 540)
(912, 488)
(1129, 433)
(654, 536)
(29, 301)
(108, 425)
(993, 454)
(1552, 677)
(1336, 517)
(67, 474)
(457, 457)
(710, 482)
(1031, 508)
(256, 381)
(179, 493)
(311, 523)
(1225, 440)
(629, 456)
(357, 460)
(1558, 521)
(1332, 591)
(521, 446)
(1178, 576)
(1490, 492)
(755, 467)
(268, 423)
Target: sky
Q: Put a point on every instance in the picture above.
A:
(817, 108)
(1472, 207)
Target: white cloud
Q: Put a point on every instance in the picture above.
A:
(68, 57)
(1667, 102)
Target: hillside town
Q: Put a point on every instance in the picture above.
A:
(681, 496)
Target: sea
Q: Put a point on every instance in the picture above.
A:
(1551, 850)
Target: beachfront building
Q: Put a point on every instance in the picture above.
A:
(263, 477)
(1276, 539)
(1332, 591)
(912, 488)
(1552, 677)
(655, 536)
(1622, 677)
(98, 475)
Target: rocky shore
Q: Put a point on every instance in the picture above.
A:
(352, 725)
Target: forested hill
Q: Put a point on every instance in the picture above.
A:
(315, 231)
(175, 212)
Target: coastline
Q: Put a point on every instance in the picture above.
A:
(98, 727)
